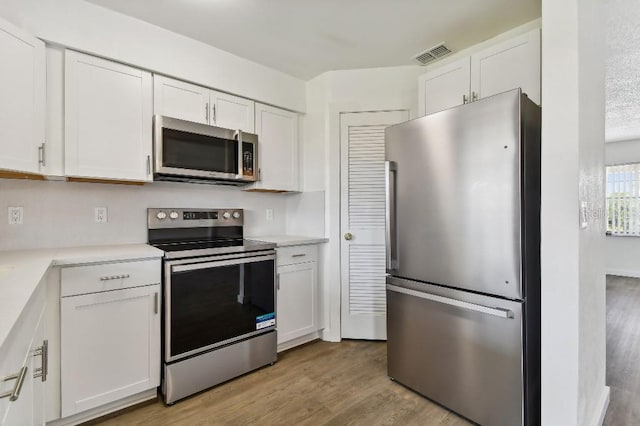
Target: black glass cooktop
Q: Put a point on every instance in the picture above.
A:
(179, 250)
(199, 245)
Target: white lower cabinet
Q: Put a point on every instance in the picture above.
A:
(110, 340)
(297, 302)
(22, 361)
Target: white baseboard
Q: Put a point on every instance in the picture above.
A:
(329, 335)
(298, 341)
(624, 273)
(106, 409)
(603, 405)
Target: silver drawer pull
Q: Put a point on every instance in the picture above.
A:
(298, 255)
(19, 378)
(43, 352)
(114, 277)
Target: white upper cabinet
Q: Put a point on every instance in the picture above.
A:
(177, 99)
(277, 131)
(445, 87)
(232, 112)
(22, 100)
(504, 66)
(108, 119)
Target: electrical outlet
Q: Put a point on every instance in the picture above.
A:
(269, 214)
(16, 215)
(100, 214)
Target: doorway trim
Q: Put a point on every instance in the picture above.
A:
(332, 264)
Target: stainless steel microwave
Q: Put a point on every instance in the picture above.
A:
(194, 152)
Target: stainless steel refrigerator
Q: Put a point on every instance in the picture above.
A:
(463, 258)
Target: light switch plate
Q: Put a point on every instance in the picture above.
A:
(584, 215)
(269, 214)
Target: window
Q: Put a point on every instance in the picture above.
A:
(623, 199)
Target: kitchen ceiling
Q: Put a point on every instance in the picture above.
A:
(305, 38)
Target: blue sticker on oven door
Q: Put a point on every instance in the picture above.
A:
(266, 320)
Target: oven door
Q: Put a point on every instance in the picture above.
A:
(192, 150)
(214, 301)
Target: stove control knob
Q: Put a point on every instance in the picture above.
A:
(226, 215)
(173, 215)
(236, 215)
(161, 215)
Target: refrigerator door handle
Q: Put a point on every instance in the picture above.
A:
(390, 168)
(498, 312)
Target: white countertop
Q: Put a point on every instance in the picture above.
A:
(22, 270)
(290, 240)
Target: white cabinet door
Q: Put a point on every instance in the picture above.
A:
(28, 408)
(108, 119)
(110, 346)
(277, 131)
(22, 99)
(297, 301)
(177, 99)
(444, 87)
(232, 112)
(508, 65)
(39, 361)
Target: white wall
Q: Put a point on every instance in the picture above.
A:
(622, 253)
(61, 214)
(573, 288)
(86, 27)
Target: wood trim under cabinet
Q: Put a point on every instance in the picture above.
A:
(4, 174)
(116, 182)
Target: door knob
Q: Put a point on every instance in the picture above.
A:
(348, 236)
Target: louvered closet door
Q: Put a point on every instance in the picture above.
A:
(362, 222)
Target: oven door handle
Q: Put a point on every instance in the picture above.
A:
(215, 264)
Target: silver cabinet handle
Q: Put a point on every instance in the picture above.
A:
(114, 277)
(348, 236)
(214, 114)
(41, 155)
(148, 164)
(155, 302)
(206, 112)
(278, 281)
(498, 312)
(474, 96)
(298, 255)
(391, 232)
(14, 394)
(42, 351)
(465, 99)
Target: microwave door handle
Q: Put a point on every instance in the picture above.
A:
(238, 137)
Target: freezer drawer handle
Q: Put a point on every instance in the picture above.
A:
(498, 312)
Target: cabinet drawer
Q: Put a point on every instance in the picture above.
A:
(109, 276)
(297, 254)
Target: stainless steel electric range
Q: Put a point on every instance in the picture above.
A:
(219, 298)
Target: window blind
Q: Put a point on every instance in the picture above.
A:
(623, 199)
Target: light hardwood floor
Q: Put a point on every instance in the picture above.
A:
(320, 383)
(623, 350)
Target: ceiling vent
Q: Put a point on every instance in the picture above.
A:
(432, 54)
